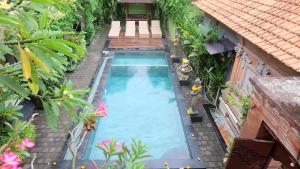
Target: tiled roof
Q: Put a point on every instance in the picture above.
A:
(272, 25)
(137, 1)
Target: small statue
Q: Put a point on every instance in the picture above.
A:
(197, 87)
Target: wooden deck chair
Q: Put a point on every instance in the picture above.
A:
(155, 29)
(130, 29)
(115, 29)
(143, 29)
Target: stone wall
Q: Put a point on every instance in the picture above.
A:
(275, 102)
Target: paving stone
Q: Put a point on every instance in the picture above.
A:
(207, 137)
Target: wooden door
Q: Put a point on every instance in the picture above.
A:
(249, 154)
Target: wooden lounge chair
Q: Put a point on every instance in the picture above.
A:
(115, 29)
(155, 23)
(155, 29)
(130, 29)
(143, 29)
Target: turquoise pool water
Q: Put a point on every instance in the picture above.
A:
(141, 104)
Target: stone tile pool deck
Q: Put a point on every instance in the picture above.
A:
(213, 152)
(49, 143)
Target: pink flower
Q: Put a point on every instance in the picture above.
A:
(103, 143)
(101, 110)
(100, 113)
(101, 105)
(26, 143)
(4, 166)
(118, 145)
(10, 160)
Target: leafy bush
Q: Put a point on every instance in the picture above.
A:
(89, 20)
(127, 157)
(36, 42)
(189, 20)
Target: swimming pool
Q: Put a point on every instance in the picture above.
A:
(142, 105)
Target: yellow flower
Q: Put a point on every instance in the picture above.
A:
(189, 111)
(4, 5)
(184, 59)
(196, 87)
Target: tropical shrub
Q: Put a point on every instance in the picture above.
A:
(193, 34)
(39, 41)
(35, 53)
(95, 12)
(127, 157)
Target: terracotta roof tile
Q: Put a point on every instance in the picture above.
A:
(272, 25)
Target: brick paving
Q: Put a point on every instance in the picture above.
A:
(213, 153)
(208, 142)
(50, 143)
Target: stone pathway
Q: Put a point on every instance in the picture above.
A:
(50, 143)
(209, 144)
(213, 152)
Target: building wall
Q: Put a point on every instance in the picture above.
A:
(263, 112)
(250, 62)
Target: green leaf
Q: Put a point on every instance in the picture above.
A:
(43, 56)
(37, 60)
(70, 110)
(9, 125)
(43, 20)
(79, 49)
(43, 34)
(8, 20)
(78, 102)
(79, 92)
(30, 23)
(25, 153)
(38, 7)
(24, 32)
(49, 116)
(51, 58)
(42, 1)
(60, 47)
(33, 83)
(55, 107)
(5, 49)
(13, 85)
